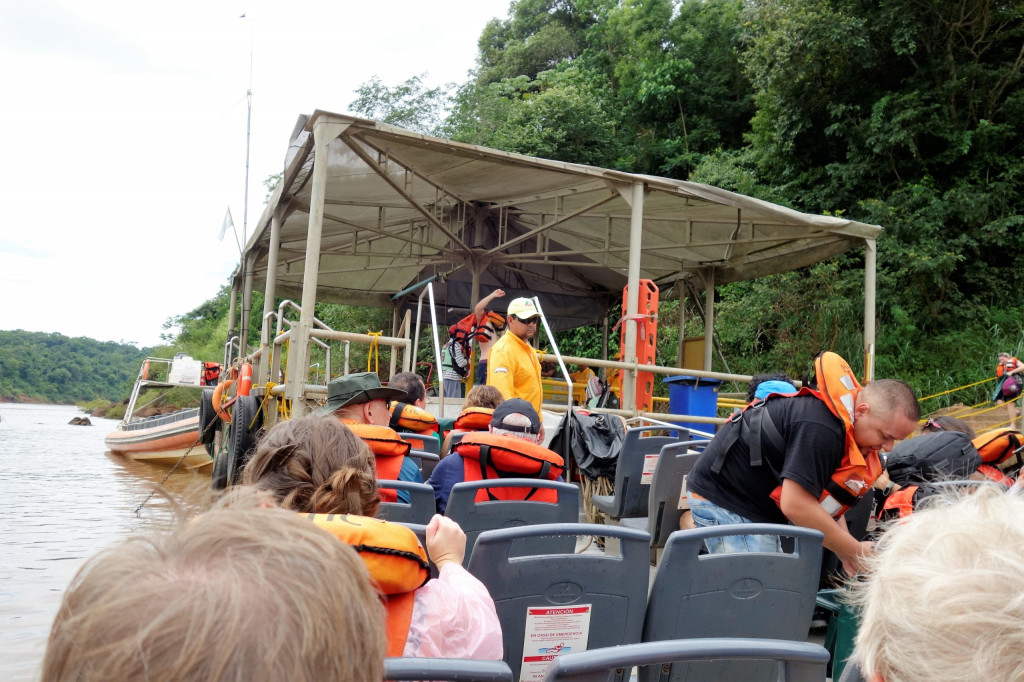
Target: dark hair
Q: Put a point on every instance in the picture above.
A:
(895, 395)
(315, 465)
(758, 379)
(411, 383)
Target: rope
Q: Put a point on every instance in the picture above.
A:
(198, 440)
(373, 357)
(953, 390)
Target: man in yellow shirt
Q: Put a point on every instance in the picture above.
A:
(512, 366)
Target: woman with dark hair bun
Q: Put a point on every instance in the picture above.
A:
(317, 465)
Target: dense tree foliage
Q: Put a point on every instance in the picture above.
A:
(892, 112)
(59, 369)
(900, 113)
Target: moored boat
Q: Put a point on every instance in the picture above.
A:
(165, 439)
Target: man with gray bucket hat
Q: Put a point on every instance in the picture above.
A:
(360, 402)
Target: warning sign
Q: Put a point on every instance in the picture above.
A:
(551, 631)
(650, 462)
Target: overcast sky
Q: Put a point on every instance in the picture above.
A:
(123, 137)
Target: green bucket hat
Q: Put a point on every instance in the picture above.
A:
(361, 387)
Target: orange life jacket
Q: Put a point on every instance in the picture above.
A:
(389, 452)
(406, 417)
(900, 503)
(837, 387)
(1003, 367)
(994, 474)
(999, 448)
(396, 562)
(473, 419)
(490, 456)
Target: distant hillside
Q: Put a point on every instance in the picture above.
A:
(58, 369)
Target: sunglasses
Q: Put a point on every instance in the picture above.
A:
(931, 423)
(532, 320)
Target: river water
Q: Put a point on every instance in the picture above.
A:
(63, 498)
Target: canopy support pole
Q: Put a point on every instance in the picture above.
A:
(298, 350)
(709, 317)
(681, 294)
(270, 294)
(636, 230)
(870, 263)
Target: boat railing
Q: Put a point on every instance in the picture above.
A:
(161, 419)
(271, 352)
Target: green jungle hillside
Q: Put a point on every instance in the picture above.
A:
(899, 113)
(53, 368)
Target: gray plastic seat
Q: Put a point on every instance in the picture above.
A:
(421, 506)
(674, 465)
(794, 661)
(629, 498)
(421, 442)
(455, 438)
(446, 669)
(614, 586)
(768, 595)
(426, 461)
(475, 517)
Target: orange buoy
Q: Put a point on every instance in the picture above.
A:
(145, 370)
(245, 379)
(218, 395)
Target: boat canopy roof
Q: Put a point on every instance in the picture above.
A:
(401, 208)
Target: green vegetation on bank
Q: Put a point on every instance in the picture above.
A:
(892, 112)
(903, 114)
(35, 366)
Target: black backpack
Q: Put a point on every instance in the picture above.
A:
(947, 455)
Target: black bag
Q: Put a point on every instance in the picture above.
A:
(593, 440)
(933, 457)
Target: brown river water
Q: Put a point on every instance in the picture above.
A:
(63, 497)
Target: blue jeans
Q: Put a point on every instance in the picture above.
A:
(706, 514)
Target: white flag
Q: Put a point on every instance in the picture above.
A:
(228, 222)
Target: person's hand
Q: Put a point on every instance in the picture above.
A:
(445, 541)
(854, 564)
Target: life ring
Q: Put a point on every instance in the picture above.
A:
(245, 379)
(223, 411)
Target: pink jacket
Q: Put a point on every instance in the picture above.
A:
(454, 617)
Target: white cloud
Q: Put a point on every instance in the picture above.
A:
(123, 130)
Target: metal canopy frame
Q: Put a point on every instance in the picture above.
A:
(365, 210)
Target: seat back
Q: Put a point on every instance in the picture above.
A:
(553, 603)
(674, 464)
(476, 517)
(793, 661)
(421, 507)
(455, 438)
(426, 461)
(768, 595)
(421, 442)
(446, 669)
(631, 490)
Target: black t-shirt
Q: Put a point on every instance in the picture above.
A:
(815, 442)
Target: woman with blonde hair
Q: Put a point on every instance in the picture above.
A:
(944, 595)
(317, 465)
(239, 593)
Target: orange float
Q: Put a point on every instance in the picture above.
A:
(245, 379)
(218, 396)
(646, 339)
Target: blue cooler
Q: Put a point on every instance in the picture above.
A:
(694, 396)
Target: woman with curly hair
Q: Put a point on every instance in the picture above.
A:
(317, 465)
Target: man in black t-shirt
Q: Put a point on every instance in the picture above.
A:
(814, 445)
